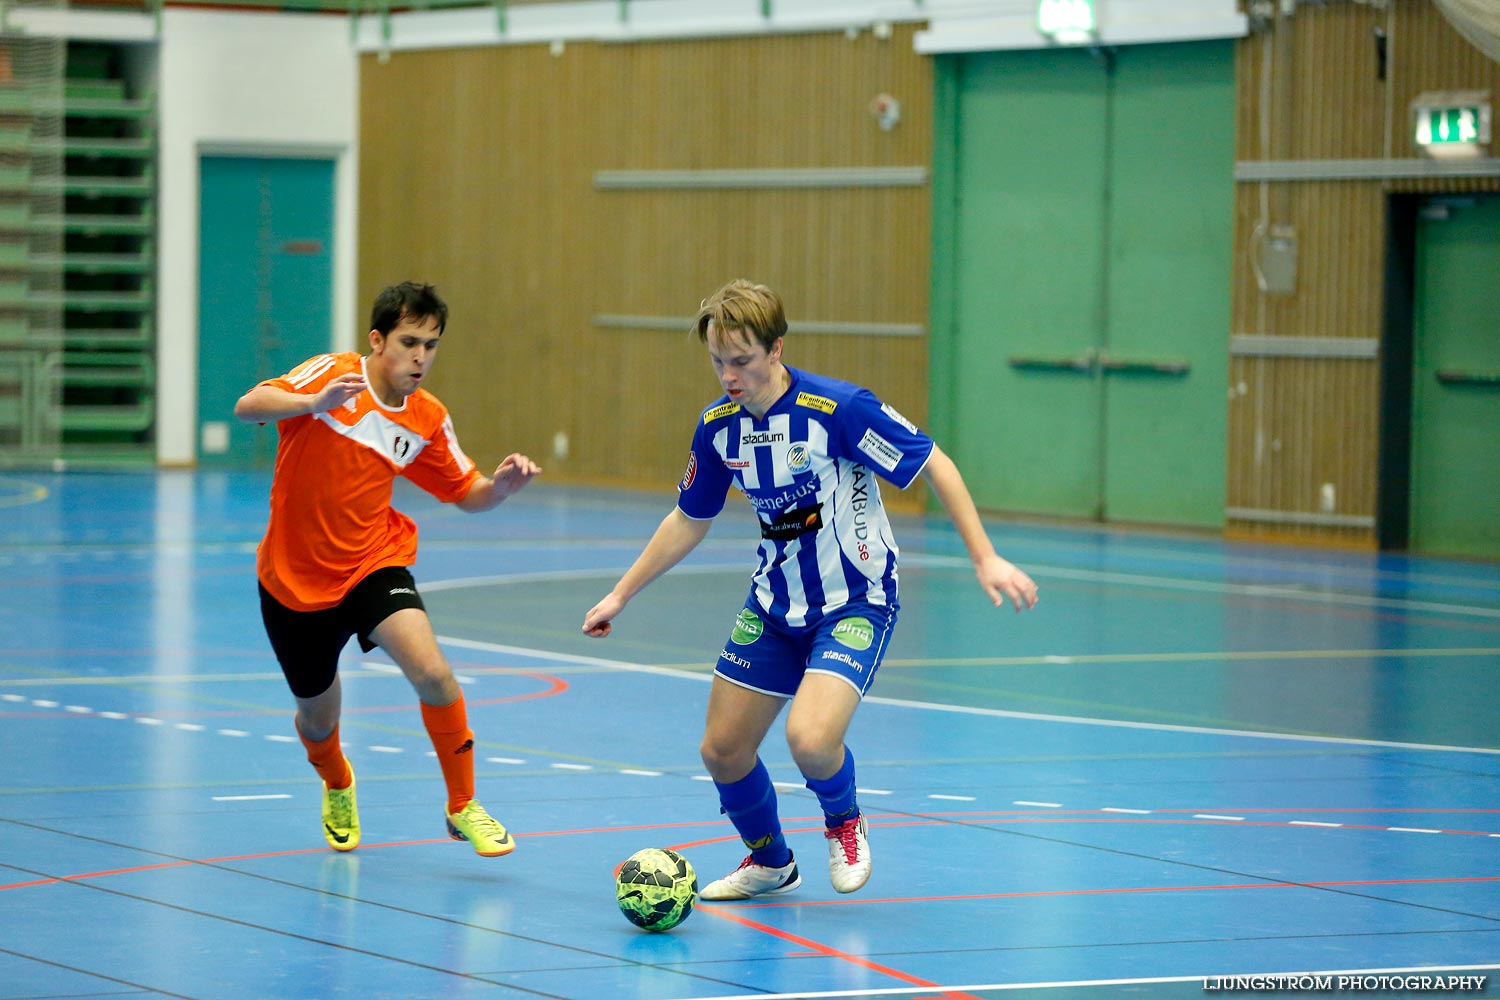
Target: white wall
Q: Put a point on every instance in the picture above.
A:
(244, 83)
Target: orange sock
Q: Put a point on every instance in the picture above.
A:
(327, 758)
(448, 726)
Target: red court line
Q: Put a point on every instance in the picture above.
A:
(829, 952)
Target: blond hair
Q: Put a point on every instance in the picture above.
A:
(743, 305)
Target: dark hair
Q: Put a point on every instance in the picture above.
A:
(743, 305)
(407, 301)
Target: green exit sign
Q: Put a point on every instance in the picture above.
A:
(1447, 125)
(1452, 124)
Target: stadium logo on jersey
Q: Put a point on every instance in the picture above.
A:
(845, 659)
(722, 410)
(895, 415)
(881, 451)
(797, 458)
(400, 446)
(856, 633)
(738, 661)
(816, 402)
(691, 473)
(747, 628)
(761, 437)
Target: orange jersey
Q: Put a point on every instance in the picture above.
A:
(332, 523)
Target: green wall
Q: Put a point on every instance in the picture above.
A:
(1082, 235)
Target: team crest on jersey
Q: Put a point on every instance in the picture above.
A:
(797, 458)
(400, 447)
(691, 473)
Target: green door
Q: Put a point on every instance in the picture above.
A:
(1165, 358)
(1028, 239)
(1081, 279)
(265, 289)
(1455, 467)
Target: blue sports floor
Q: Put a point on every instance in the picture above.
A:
(1193, 761)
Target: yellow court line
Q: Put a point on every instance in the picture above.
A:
(31, 493)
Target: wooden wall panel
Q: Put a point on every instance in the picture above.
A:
(477, 172)
(1296, 424)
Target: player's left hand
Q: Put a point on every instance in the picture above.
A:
(1002, 579)
(513, 473)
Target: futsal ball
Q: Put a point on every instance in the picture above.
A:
(656, 888)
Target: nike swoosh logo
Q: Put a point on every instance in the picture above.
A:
(334, 834)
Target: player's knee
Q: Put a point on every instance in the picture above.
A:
(815, 752)
(434, 682)
(723, 759)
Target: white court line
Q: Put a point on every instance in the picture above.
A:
(249, 798)
(998, 713)
(897, 991)
(1283, 592)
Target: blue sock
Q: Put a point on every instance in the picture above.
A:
(750, 804)
(836, 794)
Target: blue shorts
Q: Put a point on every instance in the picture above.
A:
(772, 657)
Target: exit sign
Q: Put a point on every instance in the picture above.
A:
(1436, 125)
(1067, 21)
(1452, 124)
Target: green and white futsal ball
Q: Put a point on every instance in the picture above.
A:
(656, 888)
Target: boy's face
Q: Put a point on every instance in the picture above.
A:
(746, 370)
(399, 360)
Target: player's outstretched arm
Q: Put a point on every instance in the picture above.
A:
(266, 403)
(510, 476)
(1000, 579)
(675, 537)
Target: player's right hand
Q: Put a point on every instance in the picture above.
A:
(599, 621)
(340, 390)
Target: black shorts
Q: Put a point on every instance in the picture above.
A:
(308, 643)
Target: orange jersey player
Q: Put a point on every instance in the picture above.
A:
(334, 561)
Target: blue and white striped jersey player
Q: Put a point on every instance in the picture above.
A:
(806, 450)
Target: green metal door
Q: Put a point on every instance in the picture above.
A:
(1455, 468)
(1028, 304)
(265, 289)
(1083, 222)
(1165, 369)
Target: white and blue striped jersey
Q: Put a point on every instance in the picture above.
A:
(808, 468)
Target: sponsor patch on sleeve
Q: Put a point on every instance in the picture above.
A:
(720, 411)
(691, 473)
(895, 415)
(880, 451)
(816, 402)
